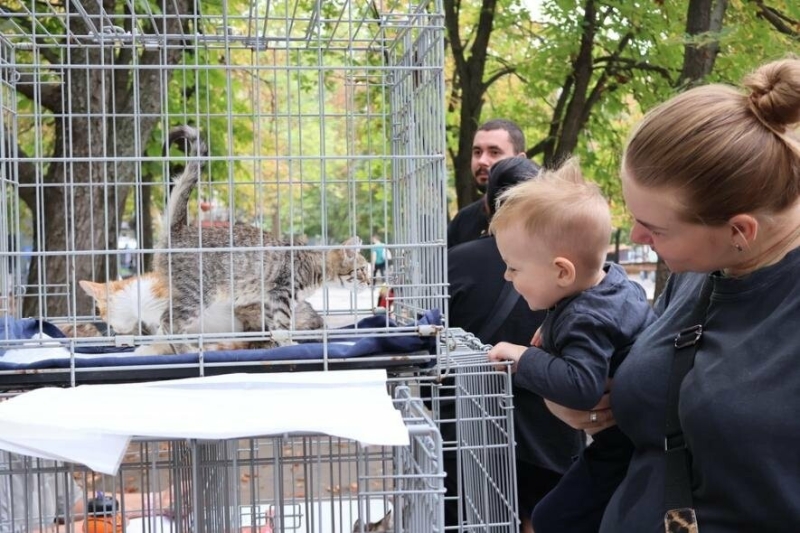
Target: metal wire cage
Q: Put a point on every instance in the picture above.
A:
(290, 483)
(324, 120)
(473, 405)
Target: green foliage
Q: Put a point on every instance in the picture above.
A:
(539, 56)
(282, 131)
(279, 135)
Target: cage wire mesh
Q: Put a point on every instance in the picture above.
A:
(10, 278)
(473, 405)
(323, 120)
(291, 483)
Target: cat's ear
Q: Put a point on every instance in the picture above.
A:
(386, 522)
(357, 526)
(353, 241)
(95, 290)
(350, 253)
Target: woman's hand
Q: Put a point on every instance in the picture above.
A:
(505, 351)
(591, 422)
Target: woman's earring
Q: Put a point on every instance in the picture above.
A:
(738, 247)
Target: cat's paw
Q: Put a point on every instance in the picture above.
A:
(269, 344)
(153, 349)
(263, 345)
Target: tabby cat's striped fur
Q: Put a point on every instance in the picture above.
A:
(262, 286)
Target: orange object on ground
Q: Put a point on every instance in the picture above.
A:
(102, 515)
(103, 524)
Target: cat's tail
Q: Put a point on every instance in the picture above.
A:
(184, 184)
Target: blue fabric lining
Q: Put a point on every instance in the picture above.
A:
(354, 346)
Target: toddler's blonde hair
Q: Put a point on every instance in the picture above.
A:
(562, 210)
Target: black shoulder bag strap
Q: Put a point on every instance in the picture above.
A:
(502, 308)
(678, 483)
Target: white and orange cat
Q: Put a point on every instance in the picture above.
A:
(130, 306)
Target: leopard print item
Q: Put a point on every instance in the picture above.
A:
(680, 521)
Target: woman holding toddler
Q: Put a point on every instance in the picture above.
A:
(708, 393)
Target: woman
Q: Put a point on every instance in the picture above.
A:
(712, 179)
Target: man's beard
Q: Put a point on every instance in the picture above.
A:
(481, 180)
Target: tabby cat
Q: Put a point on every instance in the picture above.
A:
(127, 305)
(261, 287)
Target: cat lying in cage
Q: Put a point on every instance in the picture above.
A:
(136, 304)
(261, 287)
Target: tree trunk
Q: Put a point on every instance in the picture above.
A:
(704, 17)
(64, 230)
(144, 229)
(589, 80)
(466, 190)
(80, 208)
(468, 77)
(571, 123)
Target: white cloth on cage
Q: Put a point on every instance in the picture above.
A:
(93, 424)
(38, 351)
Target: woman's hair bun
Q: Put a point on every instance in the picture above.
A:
(775, 92)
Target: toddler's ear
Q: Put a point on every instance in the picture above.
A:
(566, 271)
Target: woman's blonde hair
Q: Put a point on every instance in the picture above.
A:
(567, 213)
(728, 152)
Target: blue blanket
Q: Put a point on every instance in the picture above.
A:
(357, 345)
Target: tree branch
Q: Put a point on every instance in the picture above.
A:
(580, 76)
(22, 20)
(124, 57)
(537, 148)
(626, 63)
(778, 20)
(451, 12)
(150, 81)
(497, 75)
(703, 18)
(600, 86)
(51, 56)
(455, 87)
(480, 46)
(26, 174)
(547, 145)
(49, 95)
